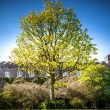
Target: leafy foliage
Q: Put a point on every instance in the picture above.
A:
(27, 94)
(4, 104)
(56, 104)
(98, 77)
(52, 39)
(69, 88)
(76, 104)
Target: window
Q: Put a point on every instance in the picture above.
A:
(19, 74)
(65, 73)
(47, 74)
(7, 74)
(31, 75)
(78, 73)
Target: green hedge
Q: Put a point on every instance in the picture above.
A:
(76, 103)
(56, 104)
(8, 80)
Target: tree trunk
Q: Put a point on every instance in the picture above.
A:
(52, 78)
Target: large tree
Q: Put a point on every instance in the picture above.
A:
(52, 39)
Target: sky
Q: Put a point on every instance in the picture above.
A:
(93, 15)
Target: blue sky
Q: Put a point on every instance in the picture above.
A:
(93, 14)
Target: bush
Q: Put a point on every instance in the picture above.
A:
(7, 80)
(19, 80)
(4, 104)
(56, 104)
(40, 80)
(42, 105)
(29, 94)
(76, 104)
(71, 88)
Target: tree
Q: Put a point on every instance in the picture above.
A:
(52, 39)
(98, 77)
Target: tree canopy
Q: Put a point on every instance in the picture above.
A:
(53, 39)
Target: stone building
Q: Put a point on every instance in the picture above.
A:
(10, 70)
(107, 60)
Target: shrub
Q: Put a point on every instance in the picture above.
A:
(40, 80)
(28, 94)
(60, 84)
(19, 80)
(42, 105)
(56, 104)
(7, 80)
(69, 88)
(4, 104)
(76, 104)
(27, 105)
